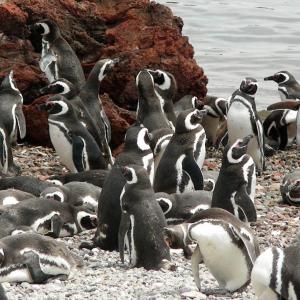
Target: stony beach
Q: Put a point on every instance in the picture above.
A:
(105, 277)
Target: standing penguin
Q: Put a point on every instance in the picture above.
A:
(235, 186)
(288, 86)
(142, 222)
(179, 169)
(74, 145)
(149, 111)
(166, 87)
(136, 151)
(226, 245)
(275, 274)
(58, 59)
(12, 120)
(242, 120)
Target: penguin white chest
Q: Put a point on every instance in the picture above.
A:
(216, 244)
(62, 145)
(238, 122)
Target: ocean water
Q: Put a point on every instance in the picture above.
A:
(233, 39)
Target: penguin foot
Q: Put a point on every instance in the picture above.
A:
(167, 265)
(62, 277)
(87, 245)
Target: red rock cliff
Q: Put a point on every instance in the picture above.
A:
(140, 33)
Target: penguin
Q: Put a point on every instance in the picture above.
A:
(142, 222)
(288, 86)
(149, 111)
(83, 110)
(95, 177)
(179, 169)
(136, 151)
(35, 258)
(74, 145)
(28, 184)
(227, 247)
(74, 193)
(50, 217)
(280, 127)
(290, 188)
(58, 59)
(242, 107)
(12, 197)
(275, 274)
(166, 87)
(178, 208)
(235, 187)
(187, 102)
(216, 112)
(293, 105)
(12, 121)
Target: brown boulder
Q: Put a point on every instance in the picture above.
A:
(142, 34)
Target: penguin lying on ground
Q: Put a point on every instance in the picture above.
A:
(95, 177)
(294, 105)
(280, 127)
(142, 222)
(178, 208)
(35, 258)
(275, 274)
(290, 188)
(179, 169)
(27, 184)
(50, 217)
(136, 151)
(73, 143)
(235, 187)
(242, 120)
(74, 193)
(58, 59)
(288, 87)
(12, 120)
(12, 196)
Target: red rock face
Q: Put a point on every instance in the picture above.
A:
(141, 34)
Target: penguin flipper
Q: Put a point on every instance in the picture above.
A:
(77, 152)
(245, 205)
(32, 262)
(191, 167)
(21, 121)
(123, 228)
(196, 259)
(247, 240)
(46, 61)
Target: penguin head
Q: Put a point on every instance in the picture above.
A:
(86, 219)
(135, 174)
(160, 139)
(294, 191)
(238, 149)
(54, 193)
(48, 29)
(189, 120)
(281, 77)
(164, 202)
(60, 86)
(165, 83)
(129, 174)
(249, 86)
(144, 84)
(56, 105)
(138, 136)
(174, 236)
(8, 83)
(104, 67)
(197, 103)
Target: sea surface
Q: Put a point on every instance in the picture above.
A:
(233, 39)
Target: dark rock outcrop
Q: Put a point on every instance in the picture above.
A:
(142, 34)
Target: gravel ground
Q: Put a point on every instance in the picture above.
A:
(105, 277)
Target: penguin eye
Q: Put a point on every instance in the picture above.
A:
(281, 78)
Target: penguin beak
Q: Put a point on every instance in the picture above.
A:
(246, 140)
(270, 78)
